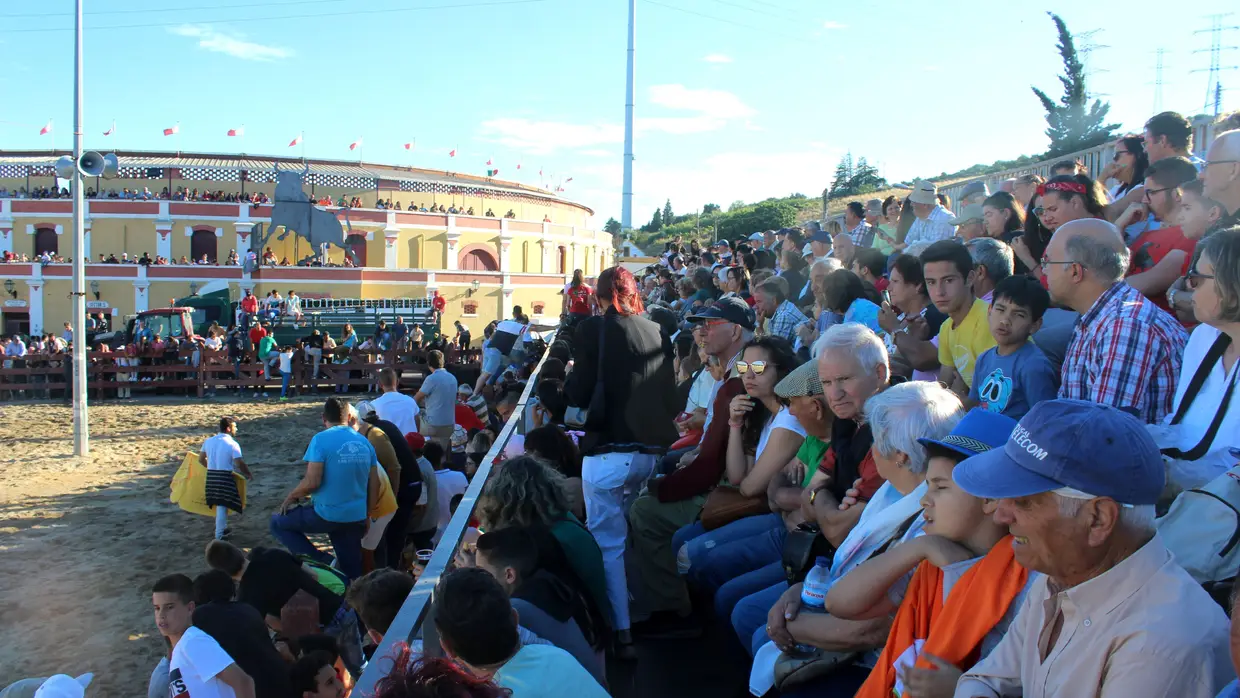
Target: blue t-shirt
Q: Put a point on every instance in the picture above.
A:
(347, 458)
(1012, 384)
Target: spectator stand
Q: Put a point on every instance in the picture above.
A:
(417, 613)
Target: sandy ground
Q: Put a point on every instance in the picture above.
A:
(81, 543)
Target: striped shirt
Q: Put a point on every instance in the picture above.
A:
(1125, 352)
(932, 228)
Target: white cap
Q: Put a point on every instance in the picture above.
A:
(63, 686)
(756, 237)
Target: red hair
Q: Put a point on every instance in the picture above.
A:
(433, 677)
(618, 286)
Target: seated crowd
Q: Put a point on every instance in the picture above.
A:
(929, 455)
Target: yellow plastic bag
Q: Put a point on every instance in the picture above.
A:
(189, 486)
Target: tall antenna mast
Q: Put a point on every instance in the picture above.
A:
(1158, 80)
(1086, 46)
(1214, 86)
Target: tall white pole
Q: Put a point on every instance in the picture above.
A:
(626, 208)
(81, 433)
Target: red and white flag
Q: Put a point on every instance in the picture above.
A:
(409, 145)
(173, 131)
(518, 165)
(452, 153)
(540, 172)
(355, 144)
(295, 141)
(111, 130)
(488, 161)
(236, 131)
(46, 129)
(568, 180)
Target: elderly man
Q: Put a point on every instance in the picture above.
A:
(859, 230)
(1125, 351)
(974, 192)
(820, 244)
(852, 367)
(844, 250)
(782, 316)
(992, 263)
(1114, 614)
(1221, 176)
(969, 223)
(933, 221)
(675, 501)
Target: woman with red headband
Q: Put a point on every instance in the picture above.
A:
(1069, 198)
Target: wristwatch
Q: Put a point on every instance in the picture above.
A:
(1171, 296)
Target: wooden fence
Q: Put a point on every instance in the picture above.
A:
(202, 372)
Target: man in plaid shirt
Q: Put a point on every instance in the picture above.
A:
(1125, 351)
(772, 302)
(860, 232)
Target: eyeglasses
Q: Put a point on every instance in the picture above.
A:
(1038, 211)
(1151, 192)
(1194, 278)
(1119, 153)
(1045, 261)
(742, 367)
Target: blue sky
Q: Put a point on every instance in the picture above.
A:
(736, 99)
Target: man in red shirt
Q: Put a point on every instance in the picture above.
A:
(249, 305)
(1160, 256)
(257, 332)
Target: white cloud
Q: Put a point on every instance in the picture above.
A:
(719, 103)
(232, 45)
(542, 137)
(717, 58)
(832, 24)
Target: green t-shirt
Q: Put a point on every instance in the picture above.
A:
(265, 346)
(882, 245)
(810, 454)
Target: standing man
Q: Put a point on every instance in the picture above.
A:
(462, 336)
(222, 455)
(400, 334)
(438, 396)
(933, 221)
(1125, 352)
(342, 481)
(199, 666)
(393, 405)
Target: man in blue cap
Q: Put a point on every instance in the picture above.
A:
(1114, 615)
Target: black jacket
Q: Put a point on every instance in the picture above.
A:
(638, 383)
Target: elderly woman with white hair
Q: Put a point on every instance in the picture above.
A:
(873, 462)
(899, 416)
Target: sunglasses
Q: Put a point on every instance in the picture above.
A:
(1194, 278)
(1118, 153)
(742, 367)
(1038, 211)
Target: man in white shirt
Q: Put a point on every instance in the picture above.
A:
(392, 405)
(932, 222)
(199, 667)
(222, 455)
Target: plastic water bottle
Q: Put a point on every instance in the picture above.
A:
(814, 594)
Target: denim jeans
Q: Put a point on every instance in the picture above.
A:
(291, 529)
(610, 483)
(284, 379)
(711, 558)
(749, 616)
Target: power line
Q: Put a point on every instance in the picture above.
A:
(196, 8)
(1214, 85)
(1086, 46)
(349, 13)
(764, 13)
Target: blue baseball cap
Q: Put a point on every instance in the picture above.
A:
(1095, 449)
(821, 236)
(977, 432)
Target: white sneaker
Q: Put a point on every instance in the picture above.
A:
(256, 395)
(266, 395)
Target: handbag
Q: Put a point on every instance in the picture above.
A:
(1212, 356)
(792, 671)
(726, 504)
(592, 417)
(802, 547)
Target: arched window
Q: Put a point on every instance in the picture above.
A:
(202, 243)
(46, 240)
(563, 265)
(478, 260)
(357, 243)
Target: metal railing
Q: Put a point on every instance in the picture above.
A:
(417, 613)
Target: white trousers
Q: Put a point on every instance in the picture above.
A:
(610, 483)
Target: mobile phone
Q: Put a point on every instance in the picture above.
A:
(886, 296)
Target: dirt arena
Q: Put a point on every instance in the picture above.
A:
(82, 543)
